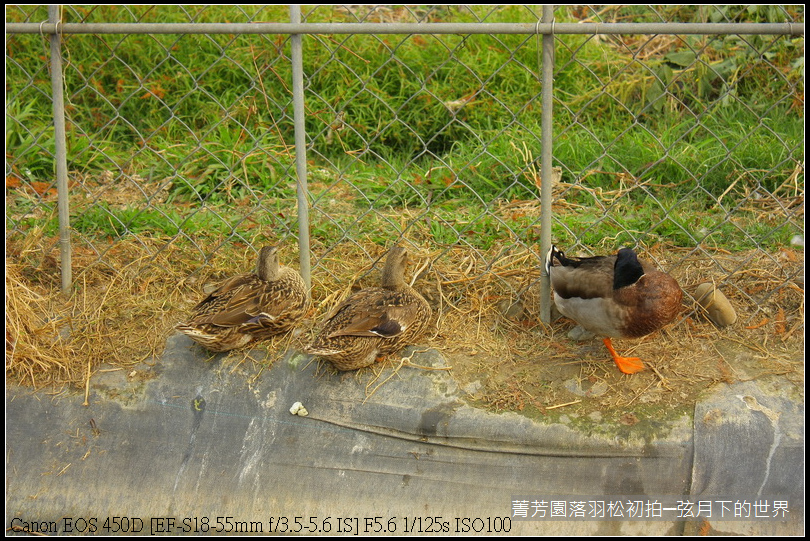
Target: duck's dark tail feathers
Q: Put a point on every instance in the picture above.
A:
(554, 253)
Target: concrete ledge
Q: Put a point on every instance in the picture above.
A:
(192, 442)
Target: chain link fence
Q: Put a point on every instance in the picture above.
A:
(686, 143)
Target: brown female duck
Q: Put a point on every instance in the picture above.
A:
(374, 321)
(615, 296)
(249, 307)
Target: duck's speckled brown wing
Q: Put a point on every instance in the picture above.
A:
(374, 321)
(235, 302)
(246, 308)
(374, 312)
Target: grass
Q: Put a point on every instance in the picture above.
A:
(708, 105)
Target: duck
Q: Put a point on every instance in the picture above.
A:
(614, 296)
(249, 307)
(375, 321)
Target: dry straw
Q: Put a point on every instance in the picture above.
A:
(485, 319)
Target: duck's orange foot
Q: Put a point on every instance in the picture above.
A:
(628, 365)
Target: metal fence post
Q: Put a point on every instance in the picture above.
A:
(546, 129)
(300, 148)
(60, 151)
(31, 86)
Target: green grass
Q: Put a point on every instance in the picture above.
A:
(103, 220)
(212, 115)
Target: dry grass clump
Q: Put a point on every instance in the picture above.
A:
(119, 314)
(36, 353)
(486, 310)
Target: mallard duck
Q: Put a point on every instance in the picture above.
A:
(616, 296)
(249, 307)
(374, 321)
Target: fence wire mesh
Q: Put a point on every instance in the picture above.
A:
(688, 147)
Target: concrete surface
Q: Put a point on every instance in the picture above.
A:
(188, 446)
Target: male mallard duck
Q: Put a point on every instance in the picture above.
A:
(616, 296)
(374, 321)
(249, 307)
